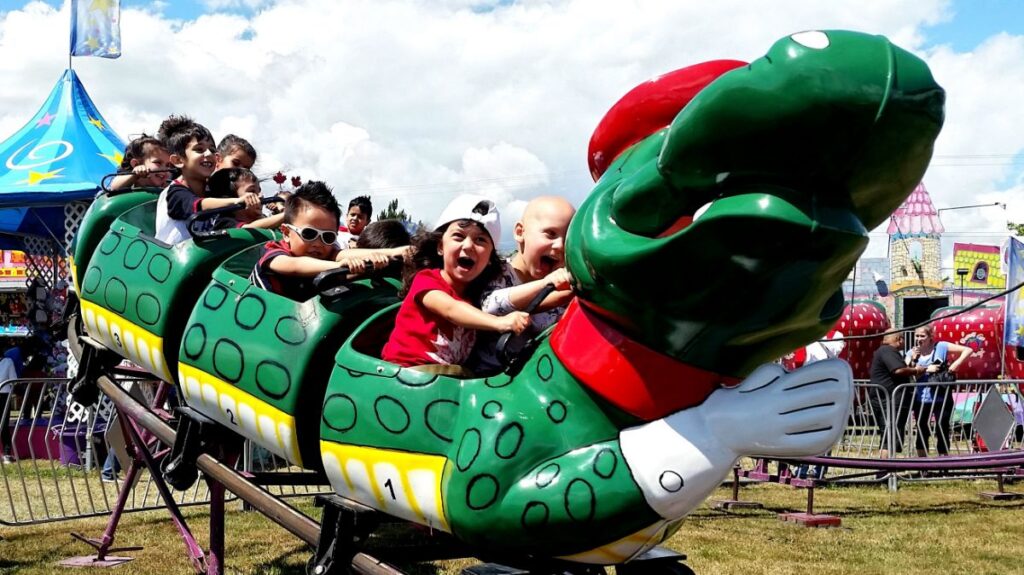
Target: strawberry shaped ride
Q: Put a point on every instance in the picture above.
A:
(733, 200)
(860, 319)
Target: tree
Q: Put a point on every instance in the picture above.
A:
(1017, 229)
(392, 212)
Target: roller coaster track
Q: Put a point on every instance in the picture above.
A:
(278, 511)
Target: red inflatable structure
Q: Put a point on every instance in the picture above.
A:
(860, 318)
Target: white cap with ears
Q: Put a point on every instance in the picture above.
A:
(476, 208)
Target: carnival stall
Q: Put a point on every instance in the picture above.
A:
(51, 170)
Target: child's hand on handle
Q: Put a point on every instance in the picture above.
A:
(278, 207)
(378, 260)
(560, 278)
(250, 200)
(515, 322)
(404, 252)
(140, 171)
(355, 265)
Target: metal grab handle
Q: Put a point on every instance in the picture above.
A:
(204, 215)
(506, 356)
(330, 279)
(109, 178)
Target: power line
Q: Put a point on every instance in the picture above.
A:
(956, 312)
(520, 180)
(975, 156)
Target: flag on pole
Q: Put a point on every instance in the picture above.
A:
(1014, 335)
(96, 28)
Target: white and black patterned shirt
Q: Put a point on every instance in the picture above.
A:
(495, 300)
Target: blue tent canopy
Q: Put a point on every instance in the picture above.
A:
(15, 223)
(59, 156)
(61, 153)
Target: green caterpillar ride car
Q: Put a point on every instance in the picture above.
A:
(732, 201)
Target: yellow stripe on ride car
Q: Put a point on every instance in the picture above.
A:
(240, 411)
(626, 548)
(74, 274)
(125, 338)
(403, 484)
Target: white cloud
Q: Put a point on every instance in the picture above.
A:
(977, 155)
(228, 4)
(421, 100)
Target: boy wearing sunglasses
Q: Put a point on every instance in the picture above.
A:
(288, 266)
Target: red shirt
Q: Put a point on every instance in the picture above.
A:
(421, 337)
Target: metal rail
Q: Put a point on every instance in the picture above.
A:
(278, 511)
(271, 507)
(56, 445)
(891, 434)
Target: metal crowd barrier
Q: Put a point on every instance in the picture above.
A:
(55, 450)
(58, 449)
(926, 419)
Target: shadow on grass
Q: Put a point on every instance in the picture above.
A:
(289, 563)
(7, 566)
(940, 509)
(294, 563)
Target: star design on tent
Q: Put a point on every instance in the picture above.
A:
(92, 43)
(99, 5)
(116, 158)
(98, 123)
(35, 177)
(46, 120)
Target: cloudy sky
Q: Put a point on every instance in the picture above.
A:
(420, 100)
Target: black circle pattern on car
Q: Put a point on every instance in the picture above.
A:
(148, 309)
(135, 254)
(290, 331)
(273, 379)
(194, 341)
(214, 297)
(228, 360)
(159, 268)
(250, 311)
(391, 414)
(438, 417)
(340, 413)
(116, 295)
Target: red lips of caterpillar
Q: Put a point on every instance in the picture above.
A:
(648, 108)
(679, 225)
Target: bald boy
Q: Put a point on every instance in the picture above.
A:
(539, 261)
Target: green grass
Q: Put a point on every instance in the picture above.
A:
(924, 528)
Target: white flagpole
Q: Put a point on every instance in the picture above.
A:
(71, 23)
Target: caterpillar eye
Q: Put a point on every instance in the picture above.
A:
(811, 39)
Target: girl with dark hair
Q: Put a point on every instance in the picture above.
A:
(450, 266)
(146, 164)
